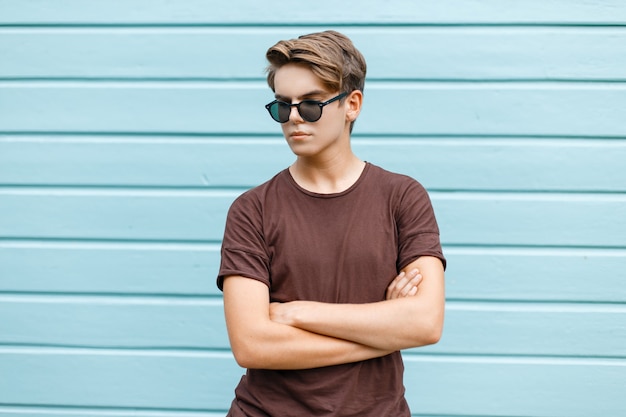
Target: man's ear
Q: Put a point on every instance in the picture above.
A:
(354, 101)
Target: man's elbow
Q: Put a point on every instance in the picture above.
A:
(433, 335)
(248, 359)
(248, 354)
(429, 334)
(242, 358)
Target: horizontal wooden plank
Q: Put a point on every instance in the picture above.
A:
(177, 269)
(503, 164)
(439, 163)
(531, 219)
(562, 109)
(542, 329)
(479, 386)
(109, 268)
(535, 274)
(514, 387)
(514, 219)
(433, 53)
(198, 215)
(368, 12)
(532, 329)
(30, 411)
(113, 322)
(118, 378)
(192, 215)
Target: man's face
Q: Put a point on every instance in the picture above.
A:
(328, 135)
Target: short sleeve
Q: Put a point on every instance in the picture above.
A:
(418, 232)
(244, 251)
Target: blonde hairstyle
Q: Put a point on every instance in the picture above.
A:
(331, 56)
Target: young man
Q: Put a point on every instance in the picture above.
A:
(333, 266)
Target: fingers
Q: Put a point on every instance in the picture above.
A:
(411, 287)
(404, 285)
(393, 290)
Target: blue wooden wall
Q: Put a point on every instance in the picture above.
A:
(128, 127)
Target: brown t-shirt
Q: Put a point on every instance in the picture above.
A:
(335, 248)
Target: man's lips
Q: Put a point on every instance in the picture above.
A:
(298, 135)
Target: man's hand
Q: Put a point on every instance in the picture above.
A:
(404, 285)
(284, 313)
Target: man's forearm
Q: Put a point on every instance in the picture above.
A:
(259, 342)
(285, 347)
(391, 325)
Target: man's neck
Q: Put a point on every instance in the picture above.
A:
(329, 176)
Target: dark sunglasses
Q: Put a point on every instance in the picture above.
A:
(310, 110)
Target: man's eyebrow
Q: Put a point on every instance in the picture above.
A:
(302, 97)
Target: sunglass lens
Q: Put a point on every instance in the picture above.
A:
(310, 111)
(279, 112)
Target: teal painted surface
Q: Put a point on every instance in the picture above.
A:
(529, 164)
(420, 108)
(427, 53)
(118, 160)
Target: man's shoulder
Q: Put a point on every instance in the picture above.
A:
(394, 179)
(258, 193)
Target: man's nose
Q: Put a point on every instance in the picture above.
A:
(294, 115)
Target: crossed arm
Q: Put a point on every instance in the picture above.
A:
(306, 334)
